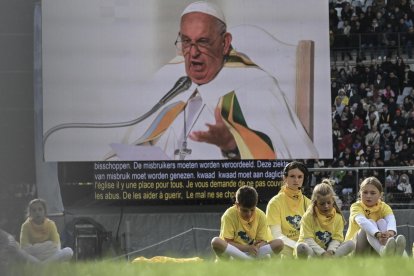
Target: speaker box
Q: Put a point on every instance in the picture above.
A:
(87, 245)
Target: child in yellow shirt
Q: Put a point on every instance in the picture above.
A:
(372, 222)
(39, 236)
(244, 233)
(322, 226)
(285, 210)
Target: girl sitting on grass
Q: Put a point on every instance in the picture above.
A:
(322, 226)
(372, 222)
(285, 210)
(39, 236)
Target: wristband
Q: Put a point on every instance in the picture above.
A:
(231, 154)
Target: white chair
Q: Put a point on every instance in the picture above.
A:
(292, 66)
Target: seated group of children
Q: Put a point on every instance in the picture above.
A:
(295, 226)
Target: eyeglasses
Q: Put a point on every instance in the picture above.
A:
(184, 44)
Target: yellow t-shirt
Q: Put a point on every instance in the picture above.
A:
(380, 211)
(287, 212)
(321, 233)
(233, 227)
(32, 233)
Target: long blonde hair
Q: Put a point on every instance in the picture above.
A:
(323, 189)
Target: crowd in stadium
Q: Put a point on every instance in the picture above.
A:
(372, 95)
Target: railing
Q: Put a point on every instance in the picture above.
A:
(372, 45)
(395, 198)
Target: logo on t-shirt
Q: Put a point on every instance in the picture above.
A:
(294, 221)
(243, 235)
(324, 237)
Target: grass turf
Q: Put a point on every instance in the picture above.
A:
(330, 267)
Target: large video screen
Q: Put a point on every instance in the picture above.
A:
(107, 67)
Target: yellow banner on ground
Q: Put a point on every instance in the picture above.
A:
(165, 259)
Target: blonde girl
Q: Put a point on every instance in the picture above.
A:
(39, 236)
(285, 210)
(372, 222)
(322, 226)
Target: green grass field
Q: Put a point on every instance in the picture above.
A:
(330, 267)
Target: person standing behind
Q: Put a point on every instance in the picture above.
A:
(404, 185)
(243, 232)
(404, 189)
(322, 226)
(372, 222)
(285, 210)
(39, 236)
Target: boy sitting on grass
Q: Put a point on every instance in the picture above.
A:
(244, 233)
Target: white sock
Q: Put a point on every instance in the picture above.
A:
(264, 250)
(345, 248)
(374, 243)
(236, 253)
(62, 255)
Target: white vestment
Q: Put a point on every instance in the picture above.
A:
(264, 107)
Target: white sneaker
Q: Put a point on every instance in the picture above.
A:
(389, 248)
(400, 245)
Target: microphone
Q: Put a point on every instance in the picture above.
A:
(180, 86)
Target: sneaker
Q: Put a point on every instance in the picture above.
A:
(389, 248)
(400, 245)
